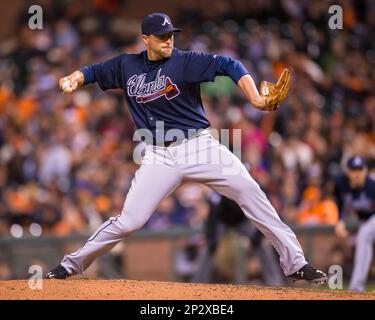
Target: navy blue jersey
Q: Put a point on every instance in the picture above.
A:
(361, 200)
(167, 90)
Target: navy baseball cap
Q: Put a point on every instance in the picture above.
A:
(157, 24)
(356, 162)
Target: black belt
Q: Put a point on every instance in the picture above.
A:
(166, 144)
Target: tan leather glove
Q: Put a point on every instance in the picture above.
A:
(275, 94)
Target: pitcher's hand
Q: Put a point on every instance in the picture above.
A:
(71, 82)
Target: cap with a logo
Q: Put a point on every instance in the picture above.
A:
(356, 162)
(157, 24)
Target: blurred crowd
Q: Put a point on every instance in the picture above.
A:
(66, 161)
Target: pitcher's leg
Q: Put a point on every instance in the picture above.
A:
(227, 175)
(363, 255)
(150, 185)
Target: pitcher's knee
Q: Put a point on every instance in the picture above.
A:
(128, 224)
(247, 186)
(131, 220)
(247, 195)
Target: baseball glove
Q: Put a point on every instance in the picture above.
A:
(276, 93)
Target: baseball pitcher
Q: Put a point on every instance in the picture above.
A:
(162, 85)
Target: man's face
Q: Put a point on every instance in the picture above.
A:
(160, 47)
(357, 177)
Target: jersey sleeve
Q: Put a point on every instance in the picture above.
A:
(200, 67)
(203, 67)
(107, 74)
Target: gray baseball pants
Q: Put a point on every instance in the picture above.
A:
(204, 160)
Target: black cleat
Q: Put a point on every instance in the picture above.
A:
(58, 272)
(310, 274)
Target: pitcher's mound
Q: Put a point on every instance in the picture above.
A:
(82, 289)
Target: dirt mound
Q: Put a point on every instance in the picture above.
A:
(82, 289)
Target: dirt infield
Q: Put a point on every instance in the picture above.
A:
(82, 289)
